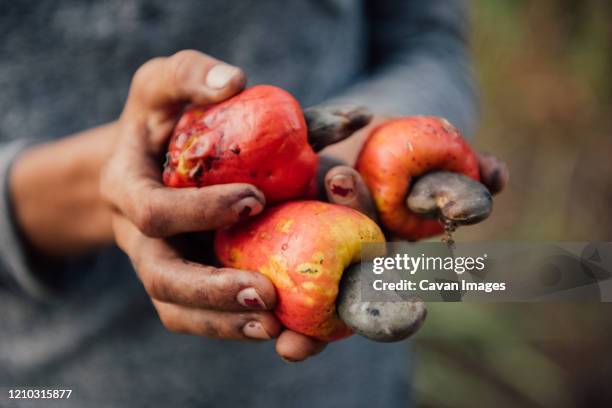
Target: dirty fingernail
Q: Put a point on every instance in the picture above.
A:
(247, 207)
(221, 75)
(342, 186)
(249, 298)
(255, 330)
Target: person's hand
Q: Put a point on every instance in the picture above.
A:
(152, 223)
(189, 297)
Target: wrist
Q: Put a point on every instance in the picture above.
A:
(54, 193)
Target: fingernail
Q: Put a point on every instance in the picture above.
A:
(220, 76)
(247, 207)
(342, 186)
(249, 298)
(255, 330)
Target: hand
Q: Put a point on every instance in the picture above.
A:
(189, 297)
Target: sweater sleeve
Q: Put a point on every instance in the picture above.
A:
(15, 272)
(418, 62)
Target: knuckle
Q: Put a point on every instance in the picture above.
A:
(232, 279)
(153, 283)
(144, 220)
(202, 295)
(181, 65)
(212, 329)
(217, 213)
(143, 73)
(216, 294)
(148, 218)
(231, 327)
(169, 321)
(184, 55)
(231, 331)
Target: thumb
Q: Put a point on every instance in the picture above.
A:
(186, 77)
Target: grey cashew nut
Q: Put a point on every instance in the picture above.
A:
(451, 197)
(379, 321)
(330, 124)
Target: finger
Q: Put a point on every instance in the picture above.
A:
(171, 279)
(294, 347)
(344, 186)
(331, 124)
(159, 211)
(187, 76)
(219, 325)
(493, 172)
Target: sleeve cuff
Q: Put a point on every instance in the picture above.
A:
(14, 269)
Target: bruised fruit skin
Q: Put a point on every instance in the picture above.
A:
(258, 137)
(399, 151)
(303, 247)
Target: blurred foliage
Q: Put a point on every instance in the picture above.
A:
(545, 72)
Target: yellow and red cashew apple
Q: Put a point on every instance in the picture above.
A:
(304, 248)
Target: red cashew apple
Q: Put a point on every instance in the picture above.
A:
(304, 248)
(400, 151)
(258, 136)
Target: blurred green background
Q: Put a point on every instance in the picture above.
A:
(545, 74)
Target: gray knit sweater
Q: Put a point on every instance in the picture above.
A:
(65, 65)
